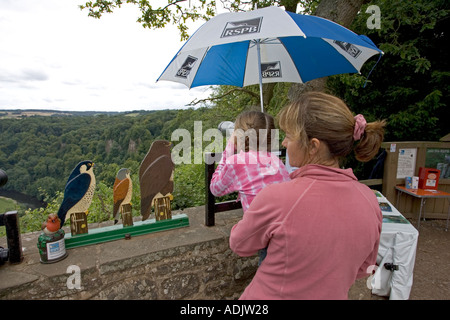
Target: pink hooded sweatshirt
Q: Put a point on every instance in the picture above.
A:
(322, 230)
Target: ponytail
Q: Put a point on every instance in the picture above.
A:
(370, 141)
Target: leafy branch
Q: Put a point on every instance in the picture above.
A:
(177, 12)
(219, 97)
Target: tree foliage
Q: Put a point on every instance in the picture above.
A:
(410, 86)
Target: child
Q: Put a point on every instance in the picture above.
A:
(250, 167)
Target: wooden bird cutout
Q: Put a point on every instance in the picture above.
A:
(79, 191)
(155, 175)
(122, 191)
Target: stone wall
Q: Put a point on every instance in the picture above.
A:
(193, 262)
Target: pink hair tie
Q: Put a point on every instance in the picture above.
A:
(360, 126)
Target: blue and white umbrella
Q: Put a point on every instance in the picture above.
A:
(267, 45)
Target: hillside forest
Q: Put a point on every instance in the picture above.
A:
(409, 87)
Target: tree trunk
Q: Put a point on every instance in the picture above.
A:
(268, 93)
(339, 11)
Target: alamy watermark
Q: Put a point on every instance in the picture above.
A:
(184, 153)
(74, 280)
(374, 21)
(373, 281)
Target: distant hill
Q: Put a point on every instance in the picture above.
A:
(4, 114)
(25, 113)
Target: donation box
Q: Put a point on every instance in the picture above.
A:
(428, 178)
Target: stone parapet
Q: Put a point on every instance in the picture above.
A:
(193, 262)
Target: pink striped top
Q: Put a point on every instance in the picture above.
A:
(247, 173)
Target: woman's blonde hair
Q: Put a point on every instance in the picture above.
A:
(328, 119)
(250, 124)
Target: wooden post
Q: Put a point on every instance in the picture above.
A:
(127, 217)
(11, 222)
(210, 199)
(78, 223)
(390, 172)
(162, 208)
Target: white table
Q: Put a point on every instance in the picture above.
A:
(397, 247)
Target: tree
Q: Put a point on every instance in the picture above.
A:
(410, 85)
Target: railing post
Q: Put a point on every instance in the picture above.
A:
(210, 199)
(11, 221)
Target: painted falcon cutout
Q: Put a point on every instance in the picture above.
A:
(79, 191)
(122, 191)
(155, 175)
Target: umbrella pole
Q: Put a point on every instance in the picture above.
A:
(260, 75)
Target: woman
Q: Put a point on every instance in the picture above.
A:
(323, 227)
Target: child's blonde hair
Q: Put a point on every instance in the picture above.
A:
(328, 119)
(255, 124)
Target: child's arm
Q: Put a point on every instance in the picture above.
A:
(224, 178)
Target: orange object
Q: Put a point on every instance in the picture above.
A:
(428, 178)
(424, 193)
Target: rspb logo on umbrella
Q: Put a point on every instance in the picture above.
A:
(271, 70)
(349, 48)
(186, 68)
(237, 28)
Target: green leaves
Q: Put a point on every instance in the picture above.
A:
(410, 85)
(177, 12)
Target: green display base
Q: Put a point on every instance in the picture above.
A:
(118, 231)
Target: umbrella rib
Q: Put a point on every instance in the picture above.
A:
(246, 61)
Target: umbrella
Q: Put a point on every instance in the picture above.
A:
(267, 45)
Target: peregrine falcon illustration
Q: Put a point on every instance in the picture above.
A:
(155, 175)
(122, 191)
(79, 191)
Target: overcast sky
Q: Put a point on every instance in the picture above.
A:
(53, 56)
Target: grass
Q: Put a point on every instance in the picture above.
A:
(7, 204)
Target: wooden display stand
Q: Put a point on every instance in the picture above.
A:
(78, 223)
(118, 231)
(127, 217)
(162, 208)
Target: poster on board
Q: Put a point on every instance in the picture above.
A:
(406, 162)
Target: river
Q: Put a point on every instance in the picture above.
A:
(23, 199)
